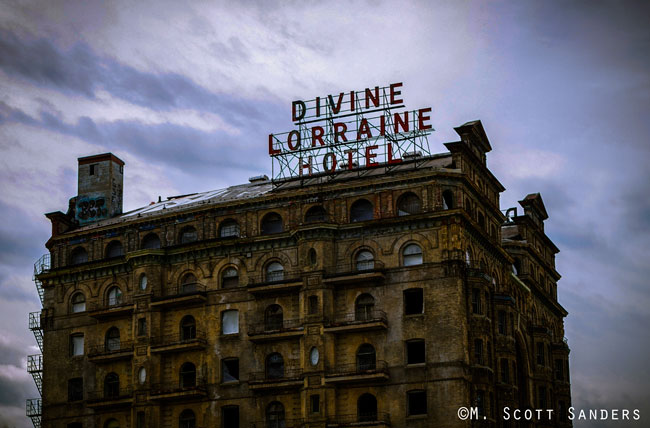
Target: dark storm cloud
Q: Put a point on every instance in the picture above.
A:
(12, 391)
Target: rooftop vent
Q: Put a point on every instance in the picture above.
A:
(258, 178)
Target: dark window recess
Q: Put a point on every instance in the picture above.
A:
(479, 402)
(315, 214)
(542, 398)
(361, 210)
(417, 403)
(271, 223)
(92, 170)
(540, 353)
(408, 204)
(275, 366)
(188, 328)
(367, 408)
(366, 358)
(188, 234)
(476, 301)
(478, 351)
(151, 242)
(142, 326)
(413, 301)
(489, 354)
(559, 370)
(314, 403)
(114, 249)
(230, 370)
(111, 385)
(188, 375)
(502, 323)
(74, 425)
(415, 352)
(230, 417)
(75, 389)
(505, 375)
(187, 419)
(140, 420)
(447, 200)
(313, 305)
(230, 278)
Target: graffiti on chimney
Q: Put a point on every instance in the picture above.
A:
(91, 209)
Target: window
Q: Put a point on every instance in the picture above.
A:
(481, 220)
(274, 272)
(365, 260)
(316, 214)
(188, 328)
(229, 370)
(314, 403)
(505, 374)
(559, 370)
(187, 419)
(541, 399)
(143, 282)
(562, 416)
(274, 366)
(479, 402)
(142, 375)
(91, 169)
(413, 301)
(188, 375)
(114, 249)
(415, 351)
(272, 223)
(502, 323)
(416, 403)
(361, 210)
(114, 296)
(151, 241)
(273, 318)
(275, 415)
(516, 267)
(189, 283)
(447, 200)
(489, 354)
(366, 358)
(540, 353)
(79, 255)
(75, 389)
(78, 302)
(229, 229)
(112, 423)
(312, 305)
(478, 351)
(142, 326)
(408, 204)
(468, 258)
(230, 278)
(112, 340)
(140, 421)
(364, 307)
(312, 257)
(230, 417)
(74, 425)
(188, 234)
(412, 255)
(367, 408)
(476, 301)
(230, 322)
(111, 386)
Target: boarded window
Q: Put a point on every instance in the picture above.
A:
(413, 301)
(229, 370)
(230, 322)
(412, 255)
(415, 351)
(416, 403)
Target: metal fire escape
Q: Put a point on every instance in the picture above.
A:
(35, 362)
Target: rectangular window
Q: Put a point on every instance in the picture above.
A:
(413, 301)
(559, 370)
(314, 403)
(76, 345)
(415, 352)
(540, 353)
(416, 403)
(478, 351)
(142, 326)
(542, 398)
(230, 322)
(229, 370)
(480, 402)
(502, 323)
(92, 170)
(140, 420)
(476, 301)
(75, 389)
(505, 375)
(230, 417)
(313, 305)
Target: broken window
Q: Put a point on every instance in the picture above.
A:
(111, 386)
(114, 249)
(412, 255)
(275, 366)
(316, 214)
(142, 326)
(366, 358)
(272, 223)
(230, 417)
(230, 278)
(230, 322)
(114, 296)
(274, 272)
(447, 200)
(78, 303)
(361, 210)
(364, 307)
(365, 260)
(413, 301)
(416, 403)
(76, 345)
(502, 323)
(188, 375)
(151, 242)
(229, 370)
(505, 371)
(314, 403)
(478, 351)
(476, 301)
(188, 234)
(187, 419)
(79, 255)
(188, 328)
(112, 342)
(229, 229)
(75, 389)
(367, 408)
(415, 351)
(408, 204)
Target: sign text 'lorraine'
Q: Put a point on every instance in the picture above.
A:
(348, 131)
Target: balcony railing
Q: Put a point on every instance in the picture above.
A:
(358, 317)
(272, 326)
(369, 418)
(273, 278)
(109, 395)
(199, 337)
(34, 407)
(184, 290)
(42, 265)
(110, 348)
(361, 267)
(34, 363)
(282, 423)
(359, 368)
(178, 387)
(289, 373)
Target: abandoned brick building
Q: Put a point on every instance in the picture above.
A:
(390, 297)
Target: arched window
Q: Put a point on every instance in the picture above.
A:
(230, 278)
(364, 307)
(112, 341)
(188, 328)
(112, 423)
(111, 385)
(316, 214)
(447, 200)
(361, 210)
(274, 366)
(188, 283)
(114, 296)
(150, 242)
(228, 229)
(78, 303)
(79, 255)
(412, 255)
(366, 358)
(187, 419)
(188, 234)
(313, 257)
(468, 258)
(273, 318)
(271, 223)
(275, 415)
(188, 375)
(408, 204)
(365, 260)
(367, 408)
(274, 272)
(114, 249)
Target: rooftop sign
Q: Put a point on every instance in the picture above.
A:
(350, 131)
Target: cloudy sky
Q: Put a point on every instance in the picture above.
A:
(186, 95)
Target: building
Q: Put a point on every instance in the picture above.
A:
(388, 297)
